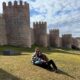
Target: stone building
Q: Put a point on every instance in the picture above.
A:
(66, 41)
(17, 23)
(40, 33)
(76, 42)
(3, 39)
(54, 38)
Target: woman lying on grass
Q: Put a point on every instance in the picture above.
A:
(40, 59)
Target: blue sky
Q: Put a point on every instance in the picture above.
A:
(59, 14)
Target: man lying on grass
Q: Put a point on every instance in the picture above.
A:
(40, 59)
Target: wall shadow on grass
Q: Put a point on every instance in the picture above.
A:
(65, 73)
(4, 75)
(57, 72)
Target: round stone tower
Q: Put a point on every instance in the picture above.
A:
(66, 41)
(40, 33)
(17, 21)
(54, 38)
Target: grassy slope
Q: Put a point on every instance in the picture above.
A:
(20, 67)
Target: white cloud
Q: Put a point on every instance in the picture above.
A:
(69, 15)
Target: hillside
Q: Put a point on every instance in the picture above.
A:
(20, 68)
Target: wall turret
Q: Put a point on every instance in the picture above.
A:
(54, 38)
(17, 21)
(66, 41)
(40, 33)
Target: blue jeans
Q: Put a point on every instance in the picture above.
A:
(49, 64)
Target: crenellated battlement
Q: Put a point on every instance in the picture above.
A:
(15, 8)
(54, 31)
(20, 3)
(15, 3)
(4, 5)
(66, 35)
(40, 25)
(9, 3)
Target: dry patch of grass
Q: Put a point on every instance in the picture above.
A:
(20, 67)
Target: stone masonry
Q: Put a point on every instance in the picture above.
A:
(40, 33)
(54, 38)
(3, 39)
(17, 22)
(66, 41)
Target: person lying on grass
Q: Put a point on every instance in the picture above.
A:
(40, 59)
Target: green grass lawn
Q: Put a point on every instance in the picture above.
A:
(20, 68)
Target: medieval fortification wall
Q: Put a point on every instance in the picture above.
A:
(15, 29)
